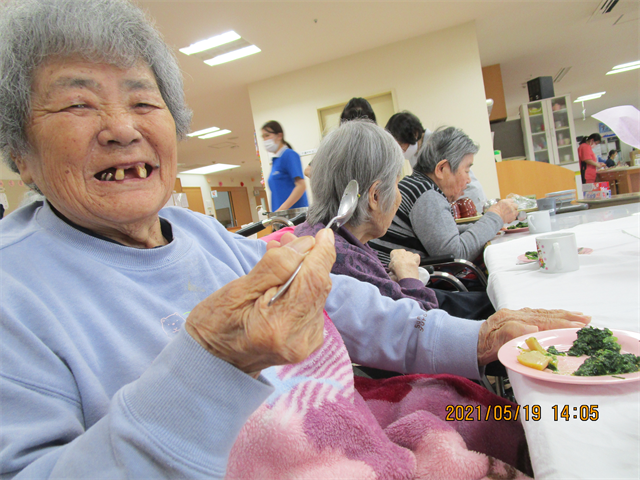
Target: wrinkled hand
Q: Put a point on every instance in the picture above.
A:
(284, 240)
(505, 325)
(404, 264)
(507, 209)
(235, 324)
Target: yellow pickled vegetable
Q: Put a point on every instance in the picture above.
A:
(533, 344)
(534, 359)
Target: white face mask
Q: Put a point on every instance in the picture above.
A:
(270, 146)
(410, 154)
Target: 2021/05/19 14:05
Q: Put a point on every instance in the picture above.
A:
(512, 412)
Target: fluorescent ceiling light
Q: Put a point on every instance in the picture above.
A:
(620, 70)
(215, 134)
(236, 54)
(209, 43)
(592, 96)
(218, 167)
(625, 65)
(202, 132)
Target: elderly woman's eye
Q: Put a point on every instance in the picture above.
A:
(144, 105)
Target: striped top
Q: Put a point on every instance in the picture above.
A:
(424, 224)
(400, 233)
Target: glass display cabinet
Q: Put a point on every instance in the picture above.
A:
(548, 131)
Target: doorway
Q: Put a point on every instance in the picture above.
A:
(232, 206)
(194, 197)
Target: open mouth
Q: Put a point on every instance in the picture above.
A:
(113, 174)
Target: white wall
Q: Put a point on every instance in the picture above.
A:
(436, 76)
(207, 182)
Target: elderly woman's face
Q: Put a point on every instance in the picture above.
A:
(453, 184)
(103, 145)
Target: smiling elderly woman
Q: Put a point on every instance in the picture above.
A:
(424, 222)
(137, 341)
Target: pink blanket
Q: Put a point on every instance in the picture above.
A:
(320, 424)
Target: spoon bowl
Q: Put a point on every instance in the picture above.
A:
(348, 204)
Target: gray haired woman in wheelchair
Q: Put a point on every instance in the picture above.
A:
(363, 151)
(424, 222)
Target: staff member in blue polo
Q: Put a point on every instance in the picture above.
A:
(286, 180)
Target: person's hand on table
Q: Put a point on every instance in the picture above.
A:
(505, 325)
(507, 209)
(235, 324)
(404, 264)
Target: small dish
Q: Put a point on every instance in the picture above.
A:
(468, 219)
(515, 230)
(523, 258)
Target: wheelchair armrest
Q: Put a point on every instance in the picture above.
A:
(452, 279)
(253, 228)
(449, 260)
(300, 218)
(479, 273)
(424, 260)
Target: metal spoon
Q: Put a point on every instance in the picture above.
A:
(347, 206)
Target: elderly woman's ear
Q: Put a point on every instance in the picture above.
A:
(374, 196)
(439, 171)
(25, 174)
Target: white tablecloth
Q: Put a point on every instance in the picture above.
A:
(607, 287)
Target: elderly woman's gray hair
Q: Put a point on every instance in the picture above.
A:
(107, 31)
(446, 143)
(360, 150)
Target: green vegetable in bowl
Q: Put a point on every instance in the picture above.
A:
(518, 225)
(553, 350)
(531, 255)
(607, 362)
(591, 340)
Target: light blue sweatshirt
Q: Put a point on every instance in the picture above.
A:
(98, 379)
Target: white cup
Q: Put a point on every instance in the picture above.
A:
(539, 222)
(558, 252)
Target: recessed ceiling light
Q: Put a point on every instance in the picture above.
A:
(236, 54)
(625, 67)
(202, 132)
(212, 42)
(215, 134)
(591, 96)
(218, 167)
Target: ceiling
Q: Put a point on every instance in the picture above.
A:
(527, 38)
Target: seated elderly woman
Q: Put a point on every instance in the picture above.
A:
(424, 222)
(362, 151)
(138, 341)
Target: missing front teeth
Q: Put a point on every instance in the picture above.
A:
(118, 174)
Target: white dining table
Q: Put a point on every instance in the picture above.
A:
(607, 287)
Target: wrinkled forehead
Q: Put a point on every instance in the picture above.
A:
(58, 75)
